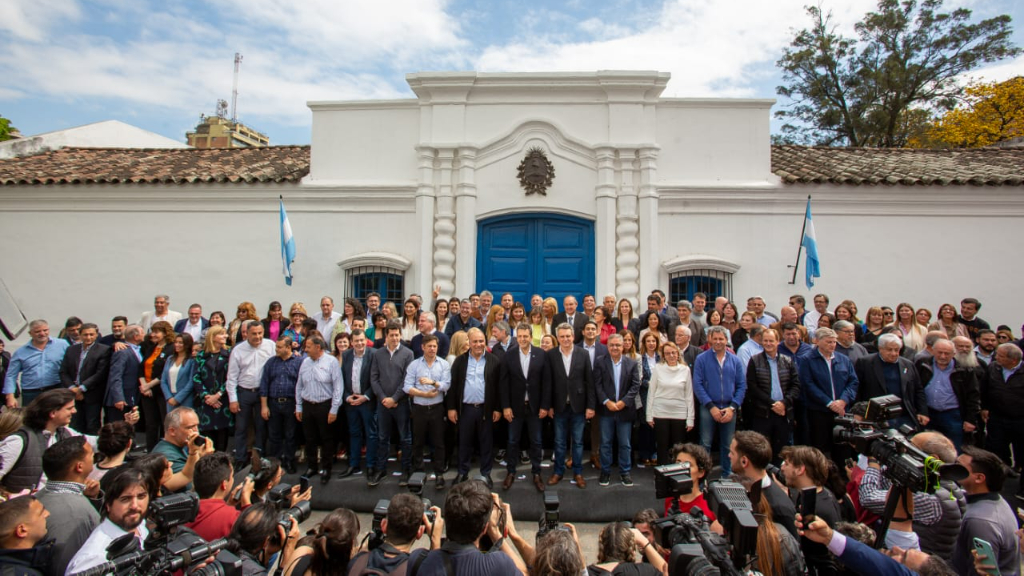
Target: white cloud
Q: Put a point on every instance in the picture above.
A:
(29, 20)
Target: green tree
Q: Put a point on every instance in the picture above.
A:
(871, 91)
(5, 129)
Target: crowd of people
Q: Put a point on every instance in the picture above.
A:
(470, 377)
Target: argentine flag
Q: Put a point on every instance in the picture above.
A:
(812, 269)
(287, 246)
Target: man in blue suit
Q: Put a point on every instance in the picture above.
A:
(617, 379)
(360, 407)
(829, 384)
(194, 324)
(123, 382)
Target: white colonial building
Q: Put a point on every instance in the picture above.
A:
(629, 191)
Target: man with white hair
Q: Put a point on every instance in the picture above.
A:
(161, 311)
(830, 387)
(1002, 402)
(952, 391)
(687, 353)
(846, 338)
(428, 325)
(885, 373)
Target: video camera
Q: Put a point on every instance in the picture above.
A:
(549, 519)
(672, 480)
(280, 496)
(170, 547)
(865, 429)
(698, 550)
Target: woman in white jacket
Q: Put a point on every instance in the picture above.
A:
(670, 409)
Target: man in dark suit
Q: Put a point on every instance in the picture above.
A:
(472, 403)
(194, 324)
(773, 387)
(577, 320)
(523, 381)
(887, 372)
(503, 334)
(84, 371)
(123, 381)
(427, 323)
(572, 401)
(595, 351)
(360, 407)
(617, 380)
(683, 338)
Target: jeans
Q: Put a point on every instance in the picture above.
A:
(386, 418)
(563, 421)
(515, 435)
(249, 416)
(611, 429)
(949, 423)
(281, 429)
(708, 429)
(362, 427)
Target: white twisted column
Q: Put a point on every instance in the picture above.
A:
(627, 254)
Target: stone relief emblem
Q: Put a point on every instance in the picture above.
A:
(536, 172)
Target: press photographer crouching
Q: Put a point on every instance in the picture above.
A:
(395, 533)
(217, 514)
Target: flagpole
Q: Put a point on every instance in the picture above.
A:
(799, 250)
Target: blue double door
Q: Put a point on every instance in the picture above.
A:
(528, 254)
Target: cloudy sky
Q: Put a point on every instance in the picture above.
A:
(159, 64)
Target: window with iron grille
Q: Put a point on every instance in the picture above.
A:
(388, 282)
(684, 284)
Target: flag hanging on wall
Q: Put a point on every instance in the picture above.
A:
(812, 267)
(287, 246)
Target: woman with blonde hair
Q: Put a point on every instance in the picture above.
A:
(494, 315)
(670, 408)
(246, 311)
(210, 380)
(458, 346)
(537, 325)
(550, 308)
(628, 344)
(874, 324)
(913, 332)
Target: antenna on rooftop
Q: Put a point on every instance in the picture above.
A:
(234, 89)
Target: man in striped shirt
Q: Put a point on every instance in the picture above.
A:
(317, 399)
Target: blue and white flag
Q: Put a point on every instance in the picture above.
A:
(812, 268)
(287, 246)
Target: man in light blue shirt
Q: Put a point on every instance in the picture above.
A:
(473, 405)
(752, 346)
(37, 363)
(426, 381)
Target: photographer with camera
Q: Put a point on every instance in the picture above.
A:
(471, 513)
(217, 513)
(750, 454)
(860, 558)
(806, 471)
(617, 550)
(125, 506)
(405, 523)
(645, 521)
(24, 547)
(699, 461)
(258, 534)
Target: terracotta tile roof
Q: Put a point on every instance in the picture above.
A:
(898, 166)
(157, 165)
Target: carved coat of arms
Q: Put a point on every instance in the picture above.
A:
(536, 172)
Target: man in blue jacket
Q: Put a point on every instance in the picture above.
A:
(720, 384)
(830, 386)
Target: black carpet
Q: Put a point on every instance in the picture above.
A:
(591, 504)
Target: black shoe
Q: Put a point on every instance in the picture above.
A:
(499, 455)
(405, 480)
(349, 471)
(289, 467)
(626, 480)
(239, 464)
(439, 483)
(377, 477)
(310, 472)
(604, 480)
(461, 479)
(489, 481)
(325, 477)
(524, 458)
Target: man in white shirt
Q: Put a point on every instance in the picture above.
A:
(124, 510)
(161, 311)
(327, 318)
(194, 324)
(812, 316)
(243, 385)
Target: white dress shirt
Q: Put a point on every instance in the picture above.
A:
(245, 365)
(94, 550)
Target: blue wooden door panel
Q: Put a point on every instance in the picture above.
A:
(536, 254)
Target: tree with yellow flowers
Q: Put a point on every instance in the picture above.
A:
(991, 113)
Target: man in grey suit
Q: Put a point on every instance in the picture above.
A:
(387, 376)
(123, 382)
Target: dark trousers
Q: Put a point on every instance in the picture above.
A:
(112, 414)
(319, 434)
(154, 408)
(87, 416)
(668, 432)
(819, 430)
(1004, 433)
(249, 407)
(776, 429)
(27, 396)
(428, 426)
(386, 419)
(362, 431)
(281, 429)
(476, 428)
(515, 434)
(949, 423)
